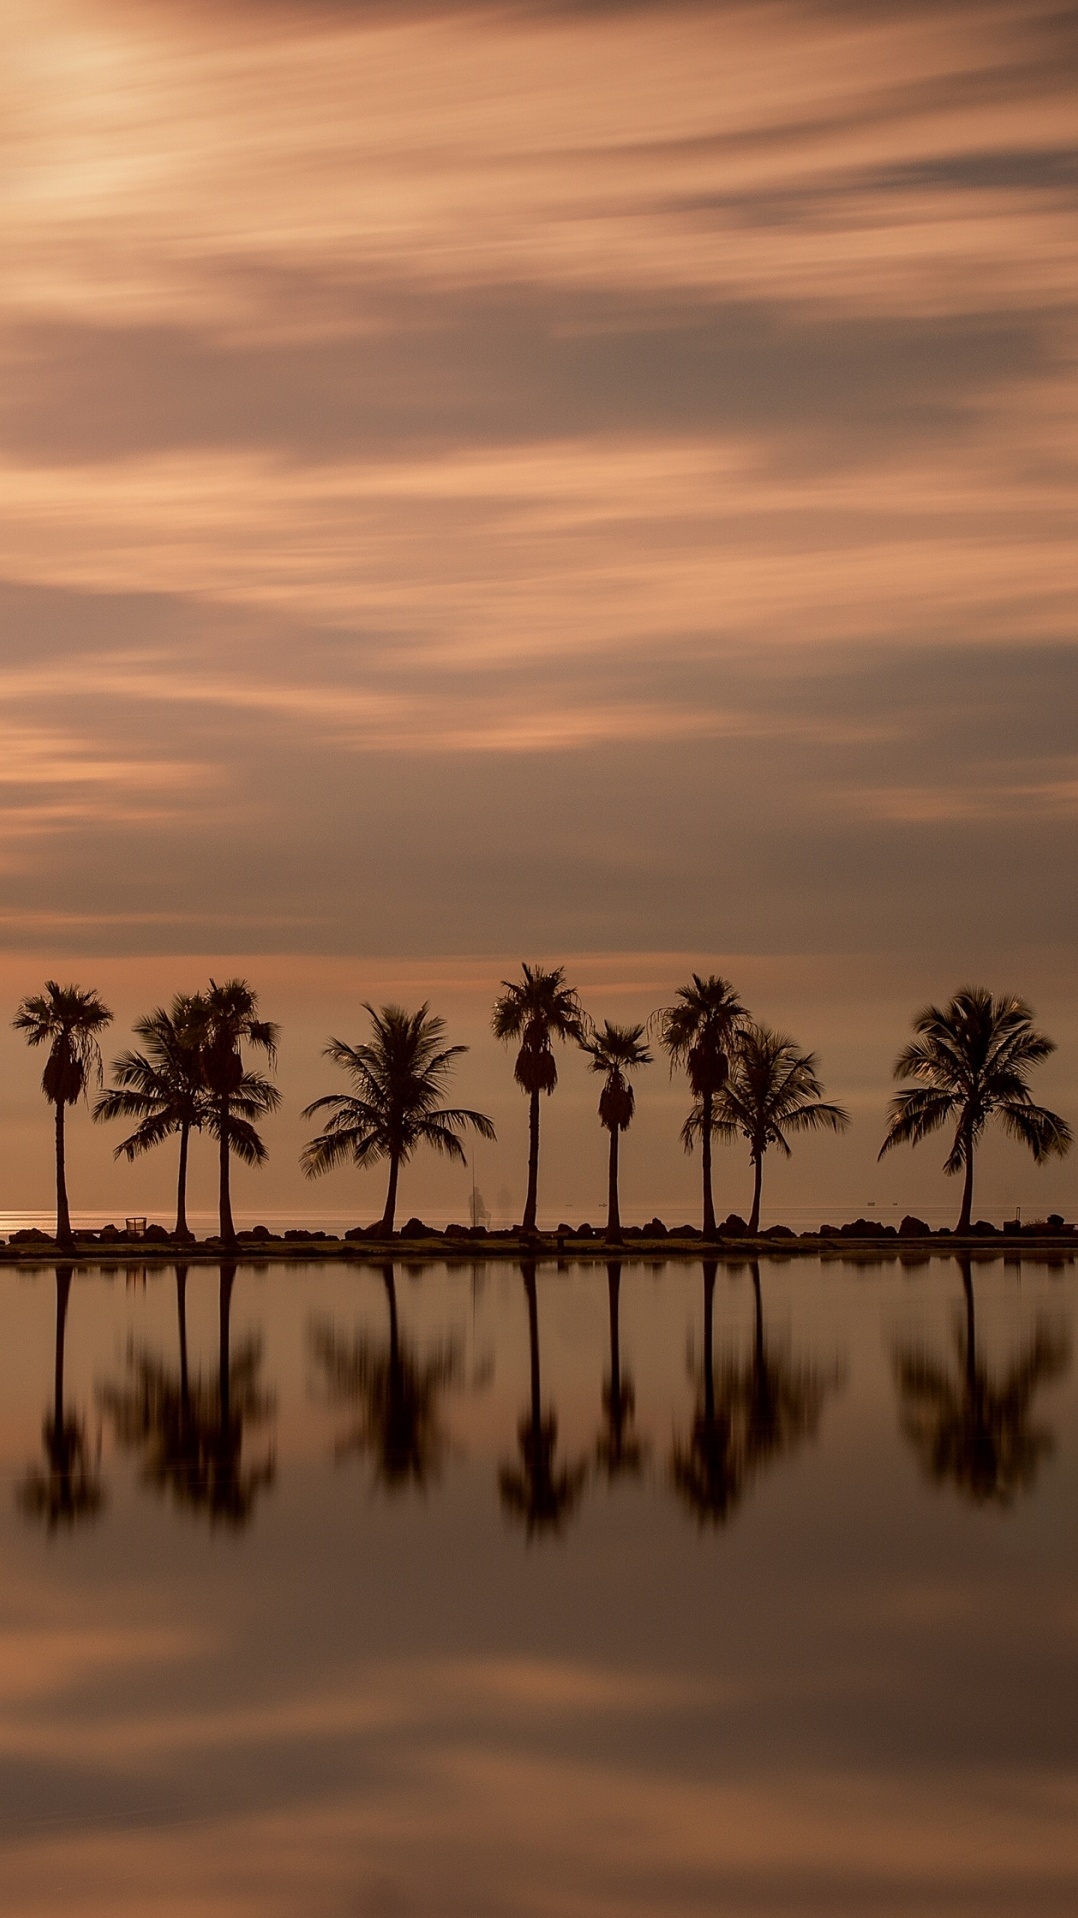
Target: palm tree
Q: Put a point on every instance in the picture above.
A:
(226, 1021)
(773, 1089)
(698, 1032)
(969, 1427)
(539, 1491)
(69, 1488)
(536, 1009)
(616, 1051)
(67, 1019)
(618, 1450)
(972, 1059)
(399, 1076)
(163, 1088)
(398, 1395)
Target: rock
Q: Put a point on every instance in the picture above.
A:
(913, 1228)
(734, 1226)
(33, 1235)
(984, 1229)
(778, 1232)
(1055, 1220)
(156, 1235)
(655, 1229)
(415, 1229)
(584, 1231)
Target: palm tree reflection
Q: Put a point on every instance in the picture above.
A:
(969, 1427)
(618, 1450)
(69, 1488)
(747, 1414)
(191, 1433)
(539, 1491)
(396, 1395)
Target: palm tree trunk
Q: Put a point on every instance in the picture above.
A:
(705, 1154)
(613, 1209)
(63, 1216)
(967, 1189)
(390, 1213)
(758, 1179)
(527, 1224)
(181, 1231)
(228, 1230)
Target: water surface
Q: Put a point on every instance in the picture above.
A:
(667, 1588)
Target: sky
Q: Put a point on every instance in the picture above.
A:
(592, 483)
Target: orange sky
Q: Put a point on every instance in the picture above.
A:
(549, 478)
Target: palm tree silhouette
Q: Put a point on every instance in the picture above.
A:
(69, 1488)
(396, 1395)
(969, 1428)
(539, 1491)
(615, 1051)
(536, 1009)
(191, 1434)
(773, 1088)
(226, 1021)
(618, 1450)
(972, 1060)
(399, 1078)
(748, 1414)
(698, 1032)
(68, 1020)
(163, 1088)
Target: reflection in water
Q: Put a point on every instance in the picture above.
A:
(746, 1414)
(618, 1450)
(538, 1491)
(191, 1433)
(972, 1429)
(395, 1393)
(69, 1488)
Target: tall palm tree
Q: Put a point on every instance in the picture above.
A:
(163, 1088)
(536, 1009)
(396, 1393)
(399, 1075)
(972, 1428)
(68, 1020)
(773, 1089)
(539, 1490)
(615, 1051)
(698, 1032)
(69, 1488)
(971, 1060)
(227, 1020)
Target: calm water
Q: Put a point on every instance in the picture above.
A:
(459, 1592)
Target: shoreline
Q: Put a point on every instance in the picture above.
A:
(462, 1248)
